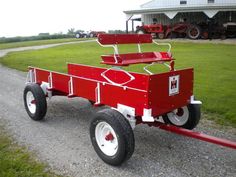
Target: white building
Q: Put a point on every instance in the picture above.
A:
(194, 11)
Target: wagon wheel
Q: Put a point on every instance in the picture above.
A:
(194, 32)
(185, 117)
(35, 101)
(112, 137)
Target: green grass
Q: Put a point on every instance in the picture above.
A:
(15, 161)
(214, 65)
(34, 43)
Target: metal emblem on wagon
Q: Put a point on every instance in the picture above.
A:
(173, 85)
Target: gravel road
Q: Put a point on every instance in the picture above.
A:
(62, 140)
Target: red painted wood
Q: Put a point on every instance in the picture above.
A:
(60, 82)
(84, 88)
(110, 39)
(41, 75)
(90, 72)
(112, 95)
(136, 58)
(146, 91)
(85, 83)
(159, 99)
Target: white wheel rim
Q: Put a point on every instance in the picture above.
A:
(177, 119)
(30, 101)
(108, 145)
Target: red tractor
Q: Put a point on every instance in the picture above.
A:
(180, 29)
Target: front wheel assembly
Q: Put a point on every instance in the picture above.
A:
(112, 137)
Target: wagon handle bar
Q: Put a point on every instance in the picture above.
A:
(196, 135)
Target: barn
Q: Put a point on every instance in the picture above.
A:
(173, 11)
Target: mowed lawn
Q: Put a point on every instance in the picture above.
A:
(214, 65)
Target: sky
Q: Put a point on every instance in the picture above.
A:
(31, 17)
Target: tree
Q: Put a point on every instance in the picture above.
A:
(71, 31)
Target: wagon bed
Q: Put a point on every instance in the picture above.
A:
(145, 92)
(163, 100)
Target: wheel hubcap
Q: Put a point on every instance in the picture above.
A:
(106, 138)
(179, 116)
(109, 137)
(31, 103)
(194, 32)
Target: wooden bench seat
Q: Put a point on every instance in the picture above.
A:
(112, 40)
(136, 58)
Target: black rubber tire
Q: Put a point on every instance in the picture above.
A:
(193, 119)
(124, 132)
(190, 31)
(40, 101)
(91, 102)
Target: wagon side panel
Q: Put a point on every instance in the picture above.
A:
(169, 91)
(84, 71)
(84, 88)
(40, 75)
(60, 82)
(94, 73)
(112, 95)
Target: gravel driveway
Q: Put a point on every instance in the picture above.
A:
(62, 140)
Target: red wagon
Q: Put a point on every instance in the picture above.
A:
(163, 100)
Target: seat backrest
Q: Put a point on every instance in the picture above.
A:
(113, 39)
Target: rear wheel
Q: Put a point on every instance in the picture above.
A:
(185, 117)
(194, 32)
(35, 101)
(112, 137)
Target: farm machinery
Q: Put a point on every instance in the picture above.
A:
(163, 100)
(204, 30)
(91, 34)
(180, 29)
